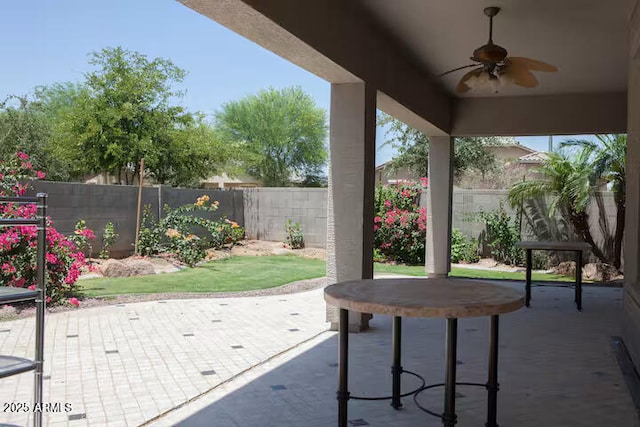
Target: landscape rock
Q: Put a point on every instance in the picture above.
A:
(599, 272)
(114, 268)
(139, 267)
(566, 268)
(594, 271)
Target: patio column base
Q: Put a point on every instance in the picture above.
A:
(358, 322)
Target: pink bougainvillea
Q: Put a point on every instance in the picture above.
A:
(400, 225)
(18, 245)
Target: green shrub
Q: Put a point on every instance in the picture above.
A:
(463, 248)
(501, 235)
(540, 260)
(175, 232)
(189, 249)
(294, 236)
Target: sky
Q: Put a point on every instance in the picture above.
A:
(46, 41)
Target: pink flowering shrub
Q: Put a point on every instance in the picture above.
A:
(18, 244)
(400, 225)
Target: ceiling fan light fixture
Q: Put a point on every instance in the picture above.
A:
(484, 82)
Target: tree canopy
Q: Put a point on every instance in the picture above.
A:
(123, 111)
(470, 153)
(572, 179)
(282, 131)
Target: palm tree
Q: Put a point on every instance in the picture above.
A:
(569, 181)
(609, 159)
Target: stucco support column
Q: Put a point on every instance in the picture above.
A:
(631, 299)
(350, 201)
(439, 199)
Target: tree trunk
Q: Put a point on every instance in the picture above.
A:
(580, 222)
(619, 198)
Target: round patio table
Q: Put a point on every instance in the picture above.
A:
(447, 298)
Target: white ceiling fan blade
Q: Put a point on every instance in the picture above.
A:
(462, 86)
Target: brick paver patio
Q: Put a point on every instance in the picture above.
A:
(127, 365)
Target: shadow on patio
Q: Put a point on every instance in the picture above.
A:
(557, 368)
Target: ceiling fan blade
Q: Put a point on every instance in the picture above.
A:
(462, 86)
(532, 64)
(520, 75)
(457, 69)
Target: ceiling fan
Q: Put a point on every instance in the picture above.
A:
(493, 68)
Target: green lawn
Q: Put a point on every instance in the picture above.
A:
(418, 270)
(238, 273)
(241, 273)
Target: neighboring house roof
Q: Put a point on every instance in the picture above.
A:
(224, 180)
(520, 146)
(536, 157)
(383, 166)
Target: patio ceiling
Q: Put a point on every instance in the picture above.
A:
(402, 46)
(586, 40)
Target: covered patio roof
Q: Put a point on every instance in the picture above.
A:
(403, 46)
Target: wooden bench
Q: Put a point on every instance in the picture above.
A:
(577, 247)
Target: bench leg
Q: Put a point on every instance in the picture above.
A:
(578, 298)
(396, 368)
(492, 382)
(449, 417)
(527, 286)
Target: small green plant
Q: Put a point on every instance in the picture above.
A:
(501, 235)
(295, 238)
(150, 234)
(463, 248)
(109, 237)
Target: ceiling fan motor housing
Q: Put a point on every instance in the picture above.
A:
(489, 53)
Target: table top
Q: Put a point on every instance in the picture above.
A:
(423, 297)
(555, 246)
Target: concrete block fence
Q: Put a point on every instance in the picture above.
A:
(99, 204)
(262, 211)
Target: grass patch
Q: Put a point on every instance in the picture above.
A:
(418, 270)
(238, 273)
(243, 273)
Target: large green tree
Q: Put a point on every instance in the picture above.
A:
(24, 126)
(412, 146)
(23, 129)
(282, 131)
(58, 105)
(127, 113)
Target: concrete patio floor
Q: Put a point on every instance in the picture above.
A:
(270, 361)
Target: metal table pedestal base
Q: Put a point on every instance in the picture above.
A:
(449, 417)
